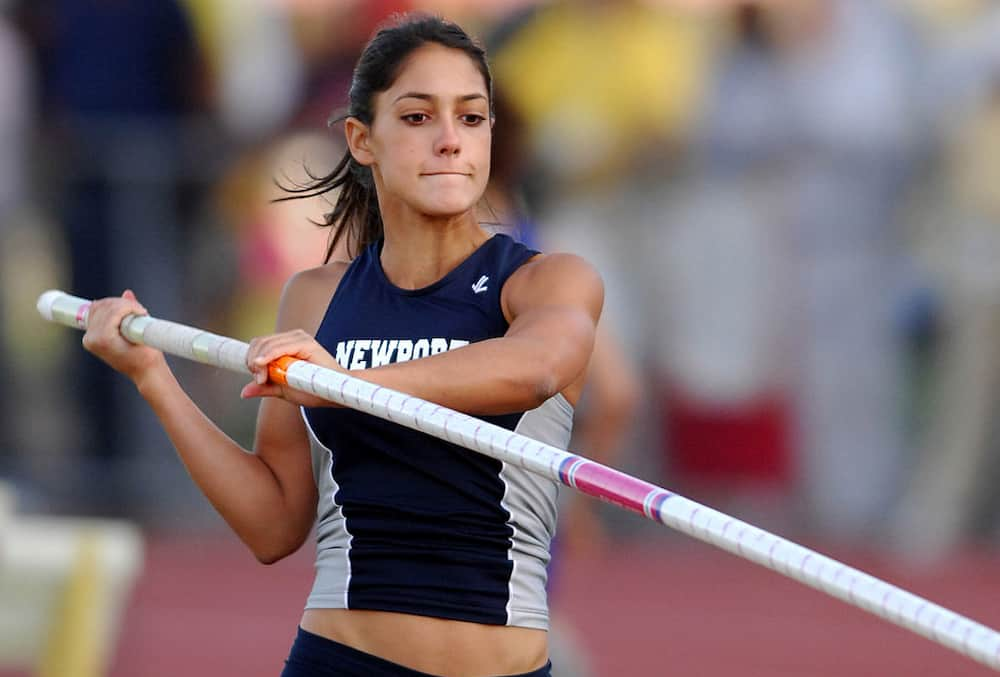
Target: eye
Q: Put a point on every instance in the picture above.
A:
(415, 118)
(473, 119)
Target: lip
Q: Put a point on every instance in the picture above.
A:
(445, 174)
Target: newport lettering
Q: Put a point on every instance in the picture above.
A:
(366, 353)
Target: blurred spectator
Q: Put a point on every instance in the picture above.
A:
(726, 293)
(849, 81)
(117, 79)
(15, 117)
(15, 127)
(959, 236)
(255, 64)
(597, 102)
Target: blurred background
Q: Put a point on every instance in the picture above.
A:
(795, 206)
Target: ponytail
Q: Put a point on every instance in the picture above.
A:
(355, 217)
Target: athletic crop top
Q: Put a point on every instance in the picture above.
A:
(407, 522)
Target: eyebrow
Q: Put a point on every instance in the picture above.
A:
(431, 97)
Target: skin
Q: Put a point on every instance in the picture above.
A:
(429, 156)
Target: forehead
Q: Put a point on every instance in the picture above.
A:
(439, 71)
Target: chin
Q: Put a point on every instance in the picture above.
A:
(448, 206)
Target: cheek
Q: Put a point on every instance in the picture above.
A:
(484, 162)
(399, 166)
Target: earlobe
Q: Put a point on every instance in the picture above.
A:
(356, 134)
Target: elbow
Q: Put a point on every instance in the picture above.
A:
(269, 557)
(546, 386)
(549, 375)
(275, 550)
(546, 381)
(282, 534)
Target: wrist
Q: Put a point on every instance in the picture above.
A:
(151, 379)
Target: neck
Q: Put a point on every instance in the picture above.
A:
(420, 251)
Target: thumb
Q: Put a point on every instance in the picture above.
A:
(254, 389)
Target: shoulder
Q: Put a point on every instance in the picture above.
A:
(561, 270)
(554, 278)
(306, 295)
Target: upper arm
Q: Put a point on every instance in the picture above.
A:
(556, 300)
(281, 440)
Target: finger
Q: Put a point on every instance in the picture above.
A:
(263, 349)
(108, 309)
(295, 343)
(103, 321)
(101, 325)
(106, 316)
(130, 295)
(279, 346)
(252, 352)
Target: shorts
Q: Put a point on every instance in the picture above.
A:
(315, 656)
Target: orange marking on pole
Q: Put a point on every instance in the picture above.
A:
(277, 370)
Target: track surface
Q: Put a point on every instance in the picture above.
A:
(204, 607)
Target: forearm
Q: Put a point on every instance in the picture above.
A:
(239, 484)
(496, 376)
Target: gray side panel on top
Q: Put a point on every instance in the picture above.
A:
(333, 540)
(531, 501)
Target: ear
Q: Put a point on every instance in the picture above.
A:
(358, 135)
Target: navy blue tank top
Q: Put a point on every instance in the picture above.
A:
(407, 522)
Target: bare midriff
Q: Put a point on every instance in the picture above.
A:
(433, 645)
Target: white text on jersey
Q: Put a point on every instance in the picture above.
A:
(365, 353)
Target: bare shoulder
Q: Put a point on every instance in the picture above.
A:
(557, 266)
(307, 294)
(557, 278)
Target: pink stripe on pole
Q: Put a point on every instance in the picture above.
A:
(612, 486)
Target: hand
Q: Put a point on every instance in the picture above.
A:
(297, 344)
(103, 337)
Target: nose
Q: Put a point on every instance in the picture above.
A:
(447, 142)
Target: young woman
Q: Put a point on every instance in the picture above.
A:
(431, 558)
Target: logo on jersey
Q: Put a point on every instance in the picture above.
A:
(365, 353)
(480, 286)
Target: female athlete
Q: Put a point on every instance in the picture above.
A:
(431, 559)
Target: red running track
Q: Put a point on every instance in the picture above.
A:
(205, 607)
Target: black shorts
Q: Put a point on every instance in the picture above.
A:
(315, 656)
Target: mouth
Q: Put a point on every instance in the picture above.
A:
(444, 174)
